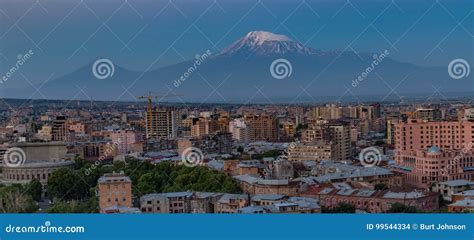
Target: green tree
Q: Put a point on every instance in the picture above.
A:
(271, 153)
(35, 189)
(13, 199)
(379, 142)
(340, 208)
(67, 184)
(380, 186)
(146, 184)
(402, 208)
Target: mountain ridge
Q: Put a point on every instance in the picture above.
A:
(242, 71)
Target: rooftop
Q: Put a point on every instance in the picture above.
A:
(153, 196)
(403, 195)
(456, 183)
(358, 172)
(468, 193)
(464, 203)
(252, 209)
(228, 196)
(114, 177)
(260, 197)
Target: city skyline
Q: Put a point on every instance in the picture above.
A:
(236, 107)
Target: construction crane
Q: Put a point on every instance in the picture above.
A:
(150, 98)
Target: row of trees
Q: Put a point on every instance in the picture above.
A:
(75, 191)
(167, 178)
(19, 198)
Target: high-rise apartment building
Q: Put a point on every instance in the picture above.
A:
(340, 135)
(60, 129)
(161, 123)
(435, 151)
(337, 133)
(262, 127)
(417, 134)
(239, 131)
(326, 112)
(204, 126)
(429, 114)
(123, 139)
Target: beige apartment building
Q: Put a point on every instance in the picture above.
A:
(114, 190)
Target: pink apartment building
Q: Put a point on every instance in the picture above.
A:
(435, 151)
(123, 139)
(77, 127)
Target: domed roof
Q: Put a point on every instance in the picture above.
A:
(434, 149)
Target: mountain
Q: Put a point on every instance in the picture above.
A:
(260, 43)
(252, 70)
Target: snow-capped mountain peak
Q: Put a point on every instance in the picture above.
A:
(261, 43)
(260, 37)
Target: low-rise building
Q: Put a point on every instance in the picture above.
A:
(465, 205)
(373, 201)
(267, 199)
(317, 151)
(290, 205)
(329, 171)
(468, 194)
(230, 203)
(204, 202)
(173, 202)
(462, 202)
(448, 188)
(256, 185)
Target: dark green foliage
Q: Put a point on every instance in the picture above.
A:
(167, 178)
(34, 189)
(380, 186)
(341, 208)
(271, 153)
(68, 184)
(401, 208)
(89, 206)
(15, 199)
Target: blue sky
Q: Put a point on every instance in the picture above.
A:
(147, 34)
